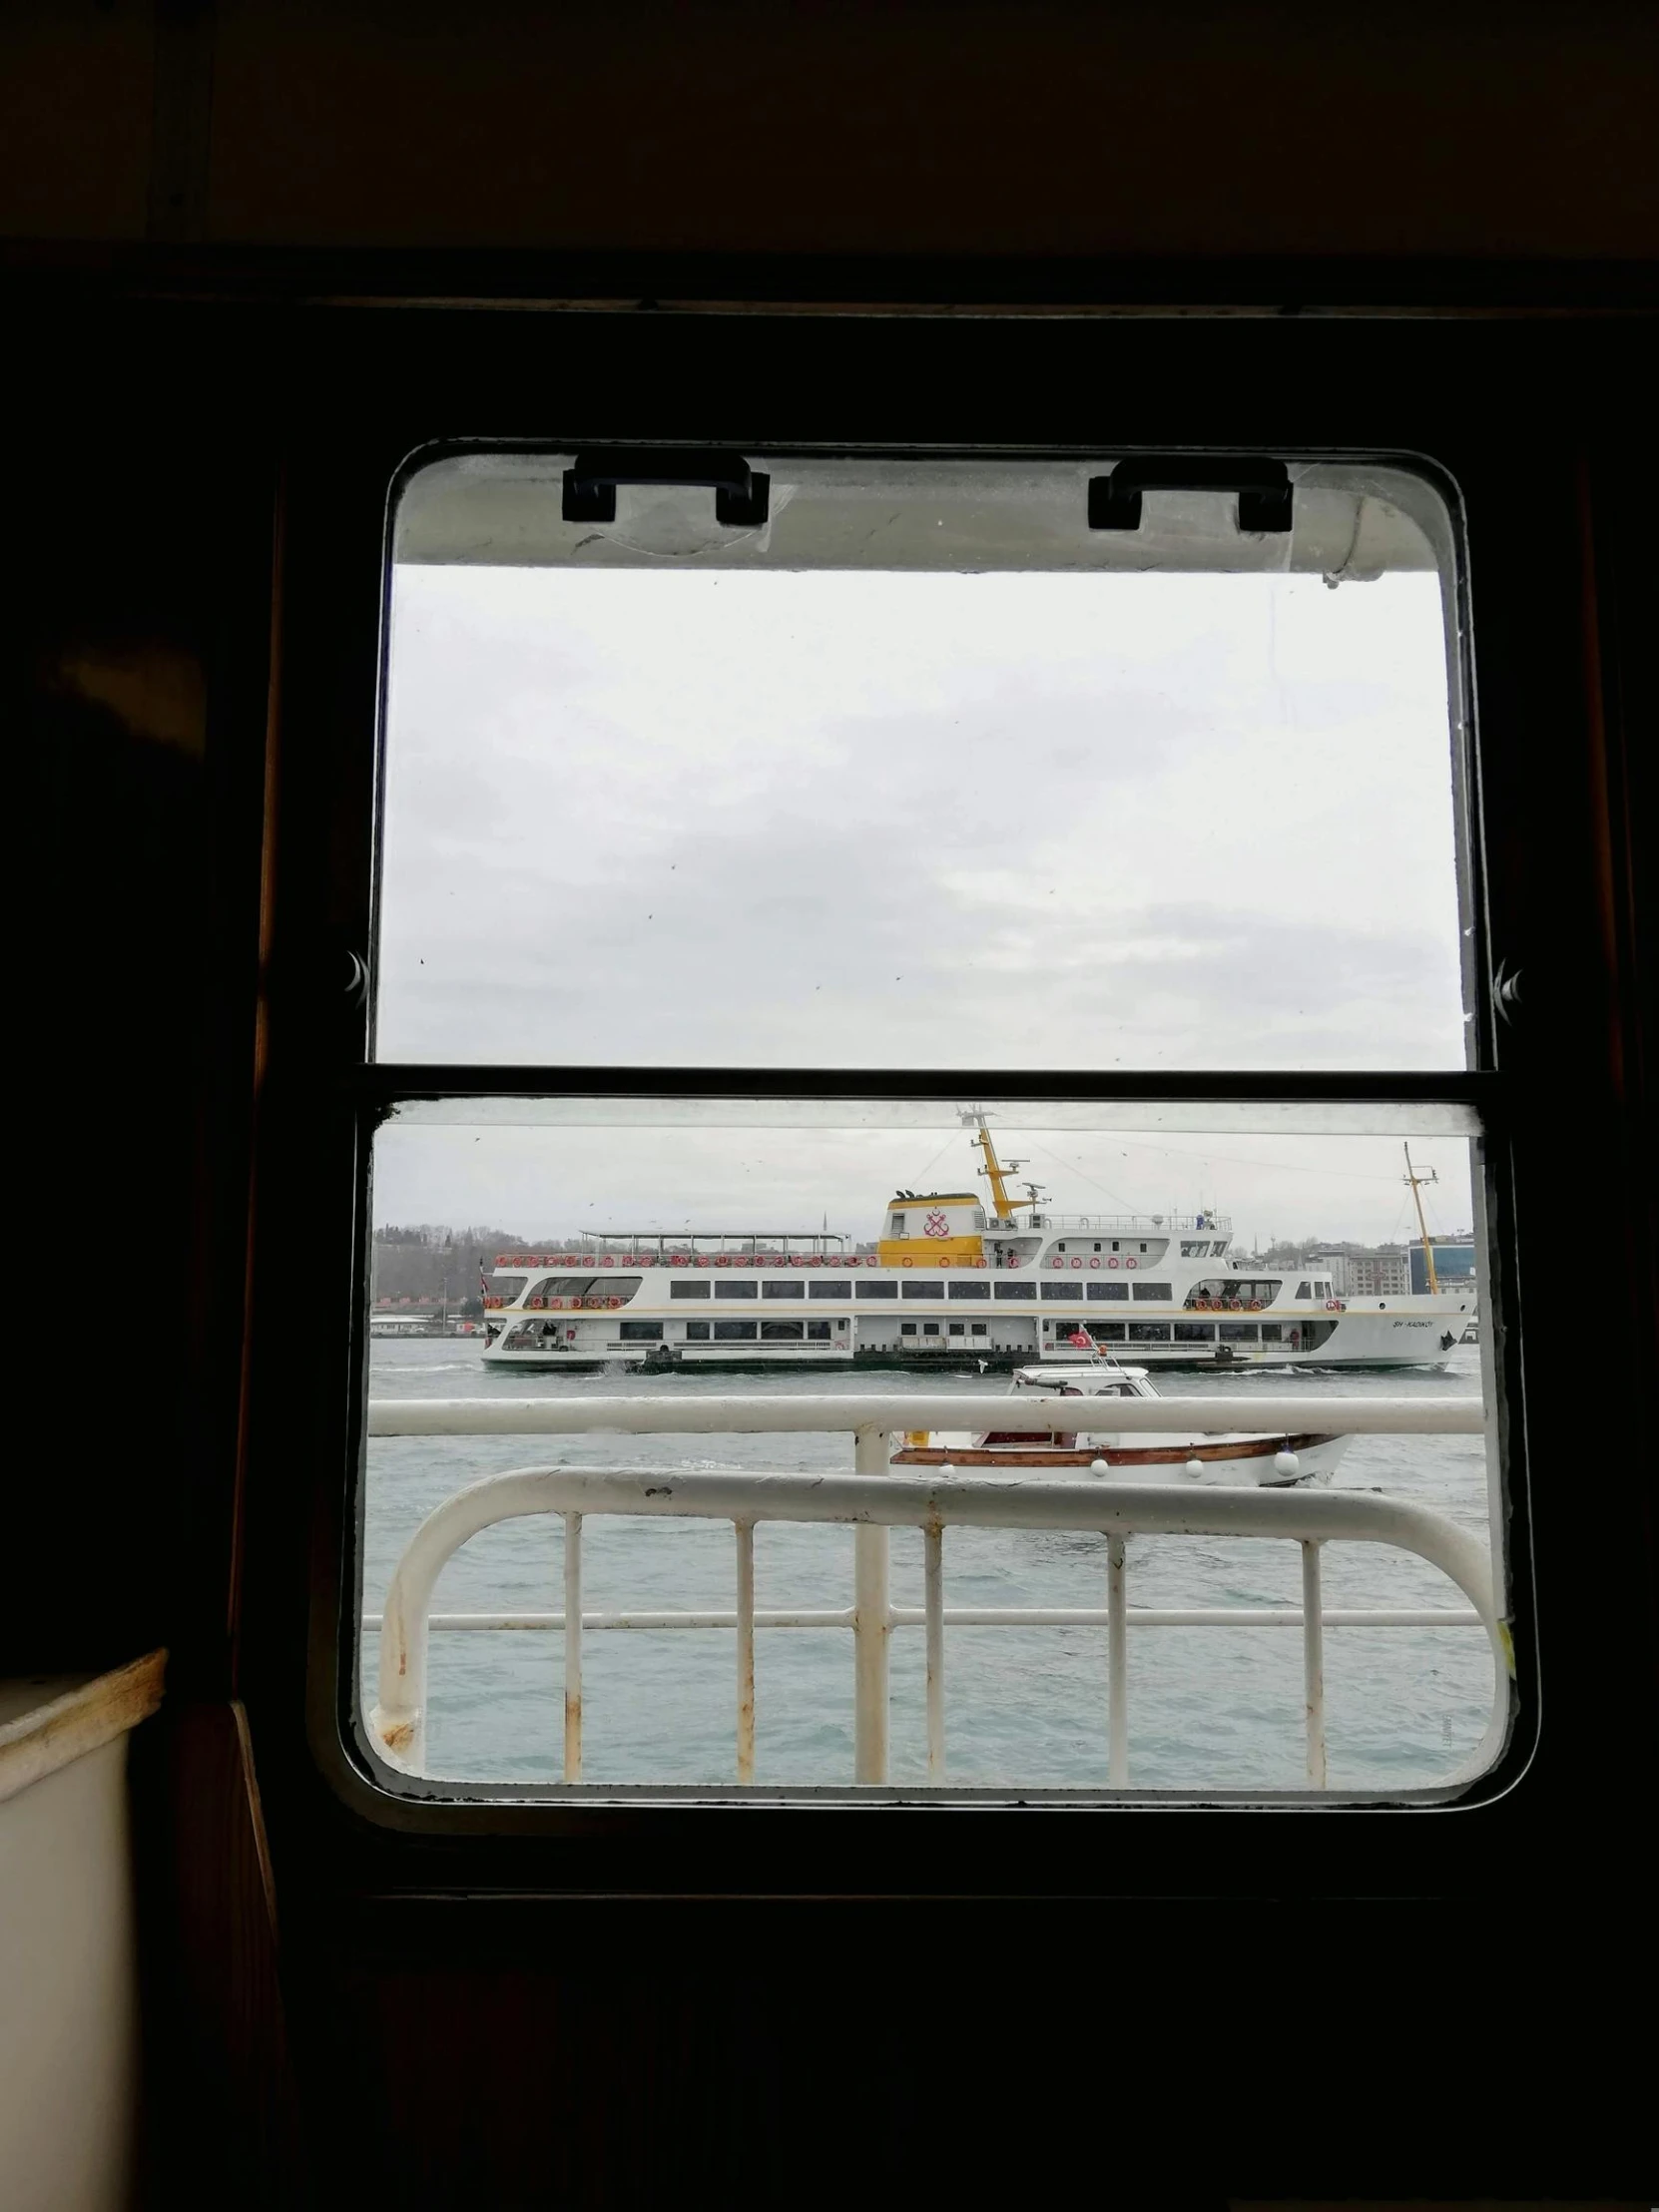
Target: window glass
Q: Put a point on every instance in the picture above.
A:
(769, 769)
(749, 765)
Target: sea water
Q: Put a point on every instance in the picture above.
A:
(1209, 1708)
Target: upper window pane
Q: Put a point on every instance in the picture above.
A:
(920, 769)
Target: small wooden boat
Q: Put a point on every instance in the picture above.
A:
(1262, 1457)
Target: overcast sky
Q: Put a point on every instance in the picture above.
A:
(881, 820)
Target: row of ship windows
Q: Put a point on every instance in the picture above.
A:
(1102, 1292)
(819, 1332)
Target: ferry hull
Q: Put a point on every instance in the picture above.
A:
(1409, 1352)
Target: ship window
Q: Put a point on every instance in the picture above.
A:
(1302, 1291)
(761, 760)
(1273, 1332)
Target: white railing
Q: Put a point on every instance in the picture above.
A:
(1132, 1225)
(873, 1500)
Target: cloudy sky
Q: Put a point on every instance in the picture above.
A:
(887, 821)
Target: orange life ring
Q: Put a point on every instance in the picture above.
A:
(944, 1263)
(1333, 1305)
(1255, 1304)
(1095, 1262)
(980, 1263)
(701, 1260)
(613, 1302)
(833, 1260)
(1056, 1263)
(1077, 1263)
(906, 1263)
(1111, 1263)
(1131, 1262)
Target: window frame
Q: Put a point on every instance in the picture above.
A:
(341, 478)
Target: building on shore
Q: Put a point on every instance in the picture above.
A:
(1453, 1263)
(1368, 1274)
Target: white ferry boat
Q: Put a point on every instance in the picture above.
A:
(949, 1283)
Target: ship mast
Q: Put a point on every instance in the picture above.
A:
(1416, 1182)
(993, 1167)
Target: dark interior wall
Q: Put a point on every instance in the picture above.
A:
(836, 126)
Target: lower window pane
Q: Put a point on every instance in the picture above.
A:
(1189, 1388)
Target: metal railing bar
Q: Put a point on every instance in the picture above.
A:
(872, 1614)
(1117, 1662)
(969, 1616)
(932, 1574)
(1441, 1414)
(745, 1533)
(1313, 1664)
(573, 1647)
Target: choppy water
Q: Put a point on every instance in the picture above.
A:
(1209, 1708)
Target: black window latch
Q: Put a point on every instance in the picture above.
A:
(742, 494)
(1263, 488)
